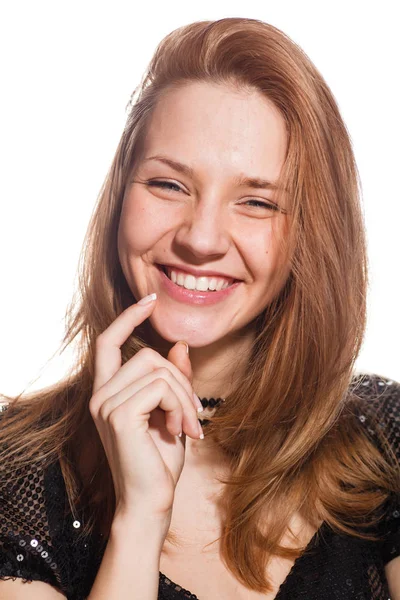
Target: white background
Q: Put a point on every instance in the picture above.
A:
(68, 69)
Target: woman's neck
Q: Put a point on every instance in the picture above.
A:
(217, 367)
(215, 373)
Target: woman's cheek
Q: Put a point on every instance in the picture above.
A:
(157, 214)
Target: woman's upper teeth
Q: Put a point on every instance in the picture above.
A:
(190, 282)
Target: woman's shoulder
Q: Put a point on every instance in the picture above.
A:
(40, 537)
(377, 404)
(26, 544)
(376, 399)
(373, 384)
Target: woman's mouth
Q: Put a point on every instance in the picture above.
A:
(196, 290)
(201, 284)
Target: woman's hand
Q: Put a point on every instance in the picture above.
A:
(139, 409)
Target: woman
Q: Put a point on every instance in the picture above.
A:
(226, 260)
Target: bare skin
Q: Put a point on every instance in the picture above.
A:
(208, 225)
(212, 224)
(214, 228)
(197, 521)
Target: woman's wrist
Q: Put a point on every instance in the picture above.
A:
(128, 524)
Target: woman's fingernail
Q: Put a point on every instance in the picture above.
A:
(201, 431)
(147, 299)
(187, 346)
(198, 402)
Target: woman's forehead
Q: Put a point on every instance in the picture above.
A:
(206, 131)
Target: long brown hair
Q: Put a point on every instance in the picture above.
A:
(287, 427)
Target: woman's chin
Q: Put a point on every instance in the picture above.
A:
(197, 335)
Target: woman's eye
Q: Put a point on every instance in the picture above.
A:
(173, 187)
(258, 203)
(166, 185)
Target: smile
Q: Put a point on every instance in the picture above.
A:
(195, 290)
(202, 284)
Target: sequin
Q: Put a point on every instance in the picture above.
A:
(41, 540)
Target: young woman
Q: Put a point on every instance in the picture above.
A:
(226, 260)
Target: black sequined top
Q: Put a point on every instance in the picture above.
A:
(38, 541)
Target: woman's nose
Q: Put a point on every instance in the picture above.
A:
(204, 231)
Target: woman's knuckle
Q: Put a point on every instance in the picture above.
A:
(162, 385)
(94, 405)
(164, 372)
(103, 412)
(116, 420)
(146, 354)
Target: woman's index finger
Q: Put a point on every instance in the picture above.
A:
(108, 343)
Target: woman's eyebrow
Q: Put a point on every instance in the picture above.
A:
(241, 181)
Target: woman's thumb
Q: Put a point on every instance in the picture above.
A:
(179, 356)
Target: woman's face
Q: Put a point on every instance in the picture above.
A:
(203, 222)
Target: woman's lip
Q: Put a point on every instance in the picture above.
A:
(181, 294)
(197, 273)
